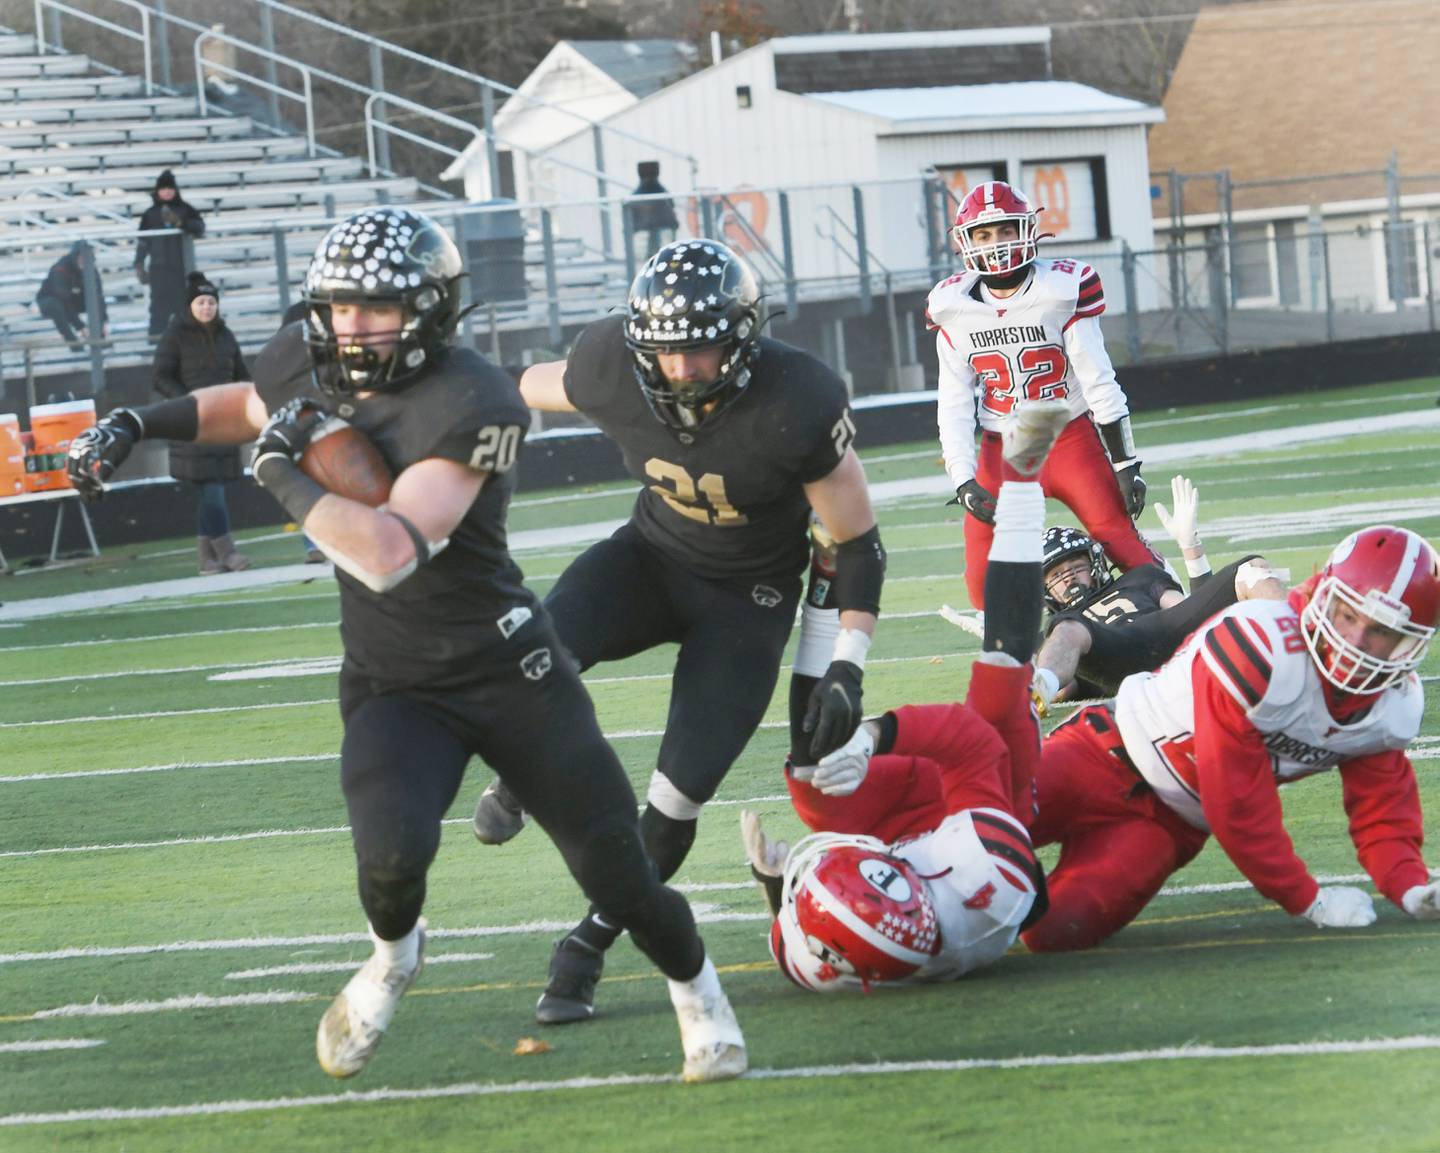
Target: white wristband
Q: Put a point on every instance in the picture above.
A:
(851, 645)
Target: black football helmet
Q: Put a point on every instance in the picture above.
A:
(1061, 543)
(694, 294)
(380, 256)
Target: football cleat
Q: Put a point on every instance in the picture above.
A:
(709, 1034)
(498, 815)
(569, 996)
(1031, 434)
(351, 1029)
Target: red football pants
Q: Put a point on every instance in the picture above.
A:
(1118, 841)
(905, 795)
(1079, 475)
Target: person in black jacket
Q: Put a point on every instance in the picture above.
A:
(61, 298)
(166, 254)
(199, 350)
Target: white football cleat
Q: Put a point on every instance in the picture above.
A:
(351, 1029)
(1031, 433)
(709, 1034)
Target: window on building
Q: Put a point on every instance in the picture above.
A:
(1071, 195)
(1287, 262)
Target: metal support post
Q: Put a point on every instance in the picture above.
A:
(787, 249)
(282, 270)
(382, 134)
(1394, 239)
(1329, 295)
(862, 253)
(267, 41)
(162, 44)
(492, 154)
(93, 324)
(707, 217)
(603, 187)
(892, 321)
(1429, 270)
(1132, 305)
(552, 285)
(1227, 232)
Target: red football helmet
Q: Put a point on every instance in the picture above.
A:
(1385, 575)
(995, 202)
(851, 912)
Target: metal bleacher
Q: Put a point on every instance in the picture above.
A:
(80, 149)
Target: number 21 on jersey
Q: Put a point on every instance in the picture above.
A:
(1037, 372)
(678, 489)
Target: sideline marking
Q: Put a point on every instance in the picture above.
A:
(805, 1072)
(47, 1046)
(25, 777)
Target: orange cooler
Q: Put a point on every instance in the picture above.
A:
(12, 456)
(52, 426)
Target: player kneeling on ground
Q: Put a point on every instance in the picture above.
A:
(923, 870)
(1265, 693)
(1103, 627)
(447, 653)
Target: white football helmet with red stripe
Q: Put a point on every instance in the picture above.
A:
(989, 204)
(852, 912)
(1382, 576)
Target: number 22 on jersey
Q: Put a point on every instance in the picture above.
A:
(1037, 373)
(703, 499)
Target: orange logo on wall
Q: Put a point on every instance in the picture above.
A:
(752, 207)
(1052, 189)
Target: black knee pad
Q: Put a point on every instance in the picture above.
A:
(667, 840)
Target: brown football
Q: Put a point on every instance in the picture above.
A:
(343, 460)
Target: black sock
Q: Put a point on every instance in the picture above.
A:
(1014, 596)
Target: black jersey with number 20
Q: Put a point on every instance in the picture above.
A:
(429, 629)
(726, 500)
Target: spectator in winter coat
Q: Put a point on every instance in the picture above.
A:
(166, 254)
(654, 222)
(199, 350)
(61, 298)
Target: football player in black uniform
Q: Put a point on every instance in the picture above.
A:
(447, 653)
(1105, 627)
(735, 437)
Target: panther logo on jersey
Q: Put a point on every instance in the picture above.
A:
(765, 596)
(536, 664)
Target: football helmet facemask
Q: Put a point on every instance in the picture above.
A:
(381, 256)
(692, 295)
(1391, 577)
(1061, 543)
(852, 909)
(987, 205)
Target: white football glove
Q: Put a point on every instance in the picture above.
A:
(1183, 524)
(1423, 901)
(840, 773)
(765, 856)
(1341, 907)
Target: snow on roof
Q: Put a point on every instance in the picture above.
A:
(882, 41)
(1031, 100)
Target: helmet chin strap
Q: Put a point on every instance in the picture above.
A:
(1006, 280)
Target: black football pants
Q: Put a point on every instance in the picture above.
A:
(404, 755)
(622, 596)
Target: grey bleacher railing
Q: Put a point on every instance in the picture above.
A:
(55, 8)
(306, 98)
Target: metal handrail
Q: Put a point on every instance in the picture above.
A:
(836, 218)
(476, 78)
(143, 36)
(214, 66)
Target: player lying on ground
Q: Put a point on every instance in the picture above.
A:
(447, 653)
(921, 869)
(1103, 627)
(1267, 692)
(1011, 327)
(735, 437)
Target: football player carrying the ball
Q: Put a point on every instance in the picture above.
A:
(447, 653)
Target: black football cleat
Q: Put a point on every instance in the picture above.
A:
(569, 996)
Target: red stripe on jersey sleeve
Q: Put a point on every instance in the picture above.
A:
(1254, 629)
(1089, 312)
(1238, 660)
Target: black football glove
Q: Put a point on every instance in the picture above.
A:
(97, 452)
(977, 500)
(833, 713)
(1132, 487)
(286, 435)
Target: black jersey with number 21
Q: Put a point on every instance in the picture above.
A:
(726, 500)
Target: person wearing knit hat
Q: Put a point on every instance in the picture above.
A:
(165, 254)
(197, 350)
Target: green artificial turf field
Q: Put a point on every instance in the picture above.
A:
(177, 899)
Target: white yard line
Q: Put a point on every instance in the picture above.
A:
(703, 913)
(1187, 1052)
(47, 1046)
(346, 966)
(170, 768)
(168, 636)
(165, 713)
